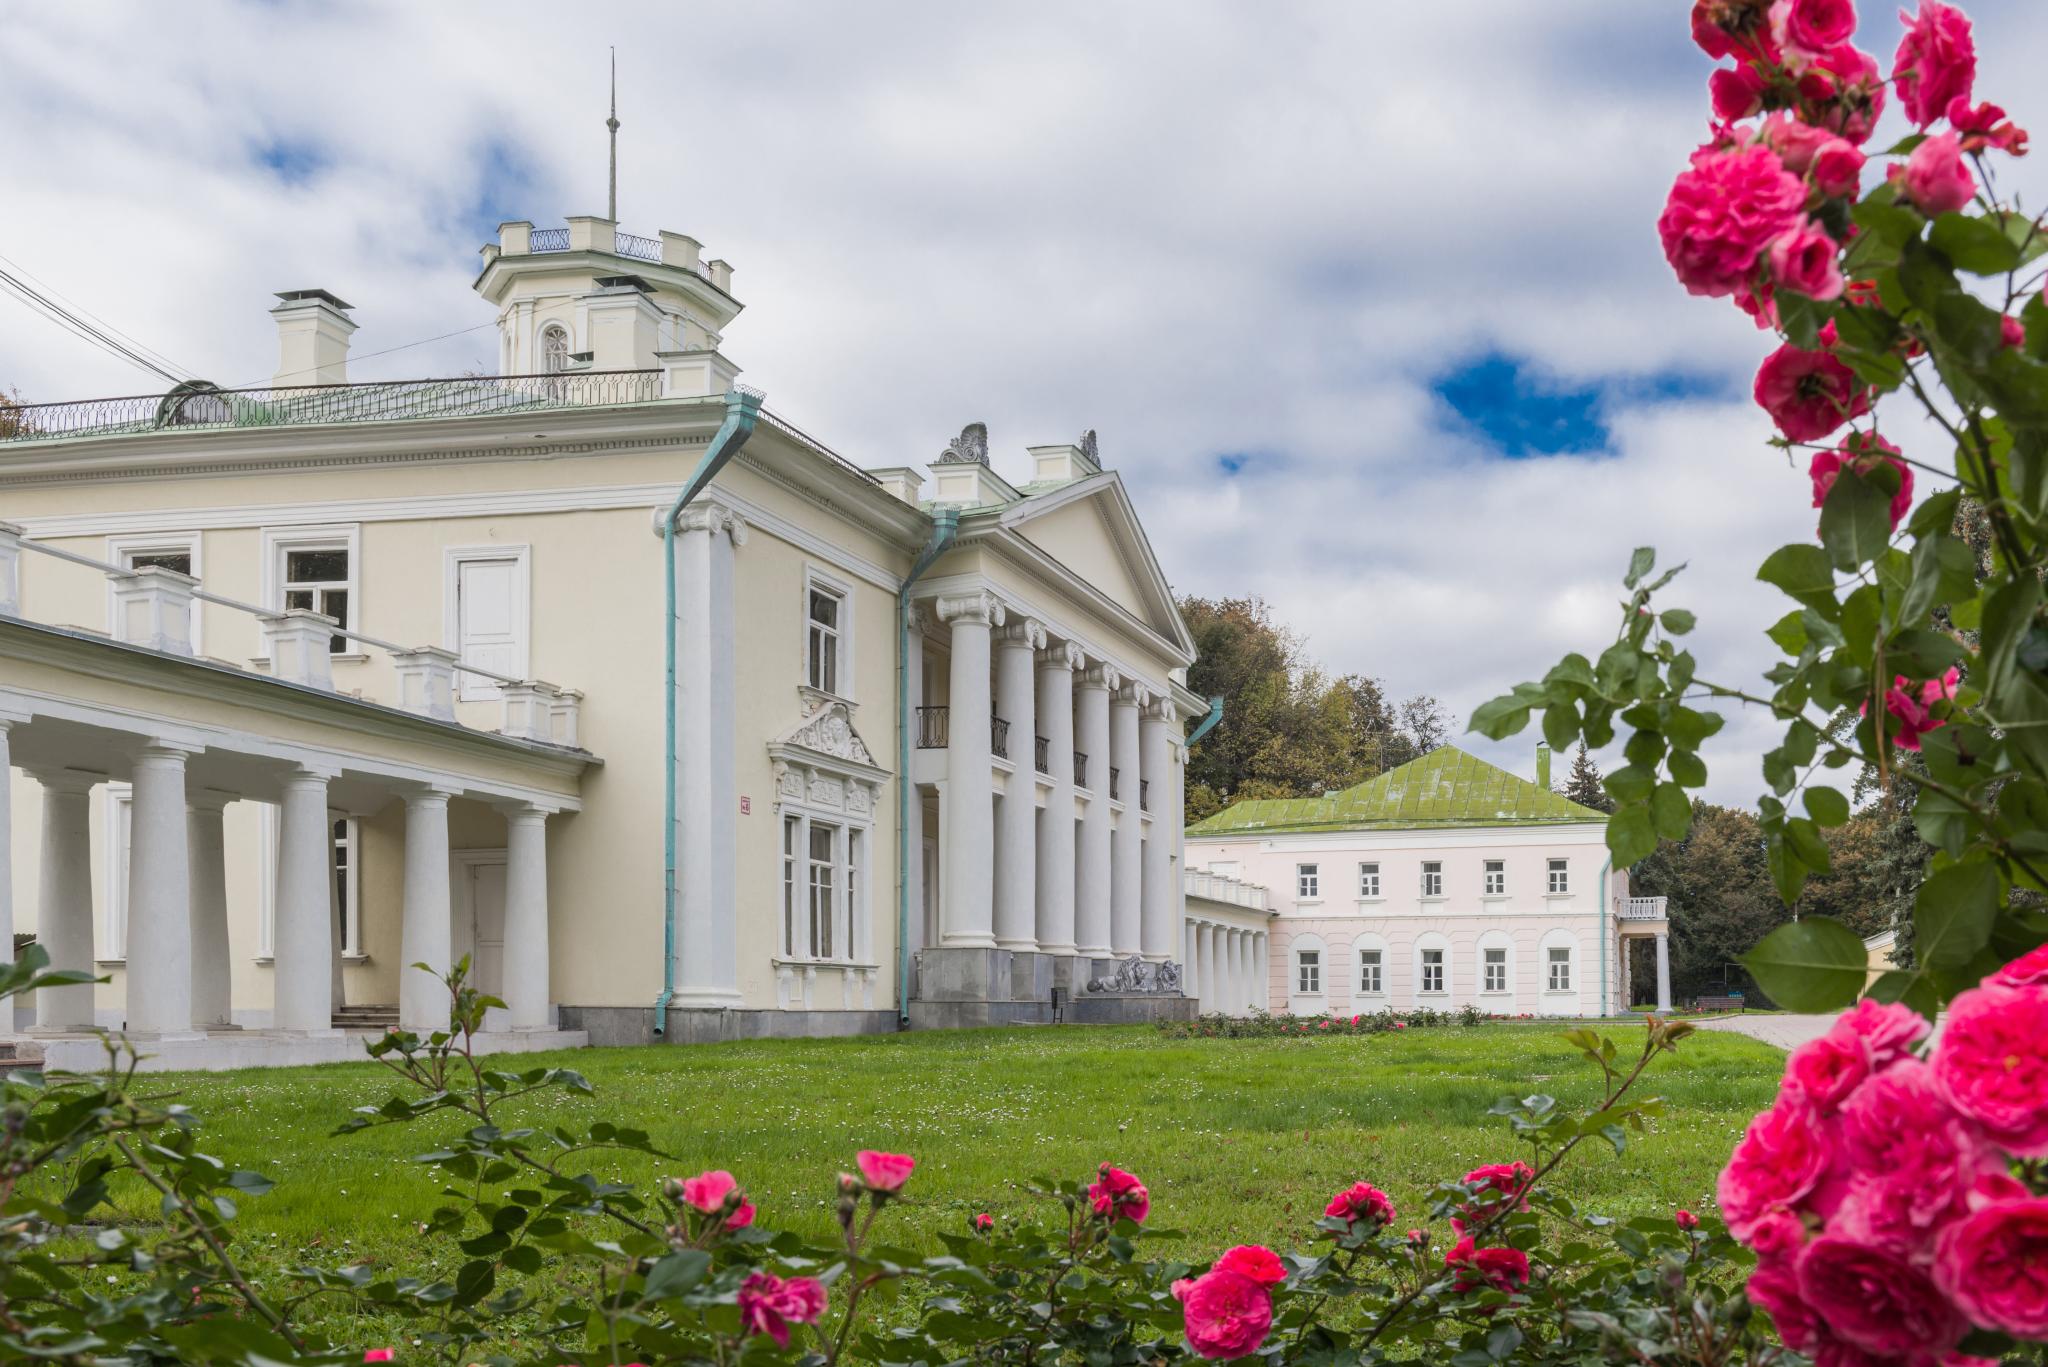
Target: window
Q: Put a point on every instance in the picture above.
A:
(1307, 882)
(821, 639)
(1432, 970)
(1309, 973)
(177, 551)
(824, 867)
(1496, 970)
(1368, 880)
(1560, 969)
(1560, 877)
(1370, 983)
(792, 829)
(315, 568)
(347, 902)
(1432, 879)
(1496, 878)
(554, 348)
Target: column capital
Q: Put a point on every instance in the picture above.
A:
(1027, 632)
(976, 609)
(1133, 694)
(157, 747)
(310, 771)
(1101, 676)
(1163, 709)
(211, 799)
(523, 812)
(430, 794)
(1062, 655)
(710, 515)
(67, 780)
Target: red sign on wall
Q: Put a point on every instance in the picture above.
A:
(746, 806)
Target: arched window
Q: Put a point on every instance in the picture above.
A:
(554, 348)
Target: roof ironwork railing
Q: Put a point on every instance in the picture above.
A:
(199, 406)
(639, 248)
(548, 240)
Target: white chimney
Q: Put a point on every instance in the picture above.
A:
(313, 329)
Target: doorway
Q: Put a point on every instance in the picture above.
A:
(478, 886)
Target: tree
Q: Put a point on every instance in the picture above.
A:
(1582, 785)
(1721, 898)
(1289, 729)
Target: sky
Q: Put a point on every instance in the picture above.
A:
(1365, 301)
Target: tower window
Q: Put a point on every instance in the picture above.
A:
(554, 348)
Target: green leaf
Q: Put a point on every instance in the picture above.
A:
(1678, 621)
(1953, 913)
(1973, 244)
(1855, 521)
(1827, 806)
(1630, 835)
(676, 1273)
(1815, 964)
(1688, 769)
(1670, 811)
(1505, 715)
(1639, 564)
(1788, 633)
(1802, 571)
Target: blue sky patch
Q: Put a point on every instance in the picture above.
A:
(1526, 413)
(507, 187)
(290, 161)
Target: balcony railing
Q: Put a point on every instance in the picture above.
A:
(198, 406)
(931, 728)
(1643, 908)
(1144, 794)
(639, 248)
(999, 737)
(1041, 754)
(1217, 887)
(1080, 770)
(548, 240)
(1114, 774)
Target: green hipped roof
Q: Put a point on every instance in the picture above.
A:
(1446, 787)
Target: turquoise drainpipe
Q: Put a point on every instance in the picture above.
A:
(1603, 933)
(945, 526)
(742, 407)
(1208, 722)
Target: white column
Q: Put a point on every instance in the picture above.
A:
(159, 952)
(966, 865)
(526, 917)
(64, 900)
(1126, 882)
(1205, 954)
(303, 938)
(426, 919)
(1247, 985)
(6, 854)
(707, 791)
(1262, 971)
(1016, 874)
(1663, 972)
(911, 847)
(1055, 713)
(1240, 989)
(1160, 890)
(1092, 859)
(206, 857)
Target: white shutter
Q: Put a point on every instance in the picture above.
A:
(489, 629)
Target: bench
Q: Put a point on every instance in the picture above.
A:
(1718, 1004)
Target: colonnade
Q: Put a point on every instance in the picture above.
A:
(1225, 967)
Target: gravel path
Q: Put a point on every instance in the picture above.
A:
(1787, 1032)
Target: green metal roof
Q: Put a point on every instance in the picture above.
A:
(1446, 787)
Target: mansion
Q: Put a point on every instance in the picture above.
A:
(1442, 884)
(678, 722)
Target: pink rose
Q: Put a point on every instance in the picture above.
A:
(1876, 1300)
(1846, 91)
(1723, 211)
(1827, 1069)
(1723, 27)
(1986, 126)
(706, 1191)
(1255, 1261)
(1116, 1194)
(884, 1172)
(1811, 27)
(1937, 179)
(379, 1354)
(984, 1222)
(1775, 1287)
(1991, 1263)
(1503, 1269)
(1226, 1314)
(2011, 331)
(1861, 454)
(1795, 143)
(1807, 261)
(1905, 1140)
(1887, 1029)
(1809, 393)
(2029, 970)
(1777, 1163)
(1992, 1064)
(1736, 91)
(1686, 1220)
(769, 1305)
(1838, 168)
(1361, 1201)
(1936, 61)
(1911, 706)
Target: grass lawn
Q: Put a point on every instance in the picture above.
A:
(1239, 1140)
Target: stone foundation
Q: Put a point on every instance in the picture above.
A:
(616, 1025)
(956, 988)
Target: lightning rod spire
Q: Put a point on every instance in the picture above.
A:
(612, 123)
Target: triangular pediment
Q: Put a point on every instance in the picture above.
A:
(1092, 530)
(826, 733)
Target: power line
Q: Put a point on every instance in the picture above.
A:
(91, 317)
(80, 328)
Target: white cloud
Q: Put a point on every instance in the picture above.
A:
(1201, 228)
